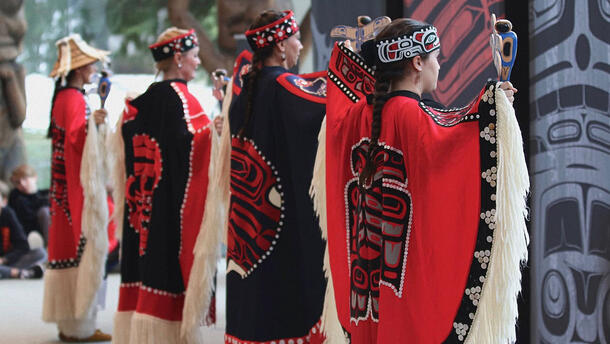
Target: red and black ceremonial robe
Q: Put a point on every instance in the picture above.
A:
(167, 142)
(68, 134)
(429, 250)
(275, 284)
(68, 125)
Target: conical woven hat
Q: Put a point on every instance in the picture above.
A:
(73, 52)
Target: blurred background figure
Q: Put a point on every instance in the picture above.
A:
(30, 204)
(12, 86)
(16, 258)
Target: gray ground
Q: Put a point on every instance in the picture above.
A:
(21, 307)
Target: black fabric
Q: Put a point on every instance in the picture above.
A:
(160, 117)
(283, 296)
(433, 103)
(427, 101)
(112, 260)
(26, 208)
(403, 93)
(18, 244)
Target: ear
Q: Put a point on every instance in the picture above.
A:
(417, 63)
(282, 46)
(178, 58)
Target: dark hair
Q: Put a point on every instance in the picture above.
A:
(258, 58)
(385, 74)
(58, 87)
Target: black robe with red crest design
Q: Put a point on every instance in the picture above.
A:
(167, 142)
(275, 282)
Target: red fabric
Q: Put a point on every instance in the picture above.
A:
(70, 123)
(142, 192)
(313, 337)
(6, 238)
(443, 181)
(113, 242)
(197, 186)
(151, 302)
(241, 68)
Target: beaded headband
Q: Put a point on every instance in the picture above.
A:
(407, 46)
(168, 48)
(273, 33)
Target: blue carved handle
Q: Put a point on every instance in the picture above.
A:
(103, 88)
(508, 48)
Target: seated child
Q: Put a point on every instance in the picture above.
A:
(30, 204)
(16, 258)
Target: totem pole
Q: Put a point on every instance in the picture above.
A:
(570, 171)
(12, 86)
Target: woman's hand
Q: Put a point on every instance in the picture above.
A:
(509, 90)
(348, 44)
(99, 116)
(220, 80)
(218, 124)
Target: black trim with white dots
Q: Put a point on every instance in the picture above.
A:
(71, 262)
(481, 258)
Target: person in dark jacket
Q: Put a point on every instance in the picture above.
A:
(16, 258)
(30, 204)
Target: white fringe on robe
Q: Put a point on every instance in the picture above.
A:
(71, 294)
(116, 159)
(138, 328)
(331, 327)
(497, 312)
(206, 251)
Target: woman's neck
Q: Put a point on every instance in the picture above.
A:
(410, 82)
(76, 83)
(172, 74)
(274, 61)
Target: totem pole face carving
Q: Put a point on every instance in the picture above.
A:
(236, 16)
(570, 170)
(12, 28)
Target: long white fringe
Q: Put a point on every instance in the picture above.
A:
(136, 328)
(497, 312)
(122, 327)
(116, 158)
(331, 327)
(59, 290)
(223, 176)
(94, 222)
(206, 251)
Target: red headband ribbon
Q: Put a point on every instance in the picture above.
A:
(168, 48)
(273, 33)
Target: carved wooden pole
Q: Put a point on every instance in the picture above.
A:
(211, 58)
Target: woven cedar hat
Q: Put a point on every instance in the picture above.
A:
(73, 52)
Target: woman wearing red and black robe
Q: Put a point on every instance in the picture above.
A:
(275, 283)
(76, 246)
(423, 208)
(167, 141)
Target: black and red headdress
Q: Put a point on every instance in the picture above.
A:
(273, 33)
(422, 41)
(168, 48)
